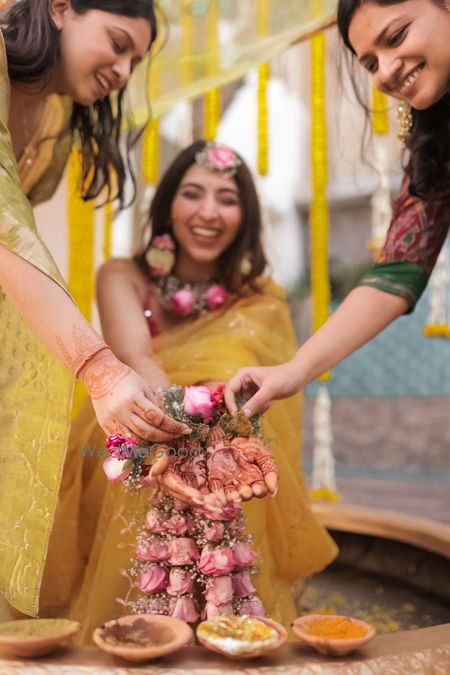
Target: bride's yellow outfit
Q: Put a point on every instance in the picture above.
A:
(94, 536)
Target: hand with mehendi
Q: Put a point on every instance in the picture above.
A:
(124, 403)
(240, 468)
(183, 476)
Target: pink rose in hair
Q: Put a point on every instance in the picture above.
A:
(155, 521)
(214, 532)
(182, 301)
(197, 402)
(153, 549)
(242, 584)
(183, 551)
(154, 579)
(180, 581)
(215, 296)
(117, 469)
(216, 561)
(243, 555)
(222, 157)
(211, 610)
(252, 607)
(184, 609)
(219, 590)
(179, 524)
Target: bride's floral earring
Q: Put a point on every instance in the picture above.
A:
(246, 265)
(160, 256)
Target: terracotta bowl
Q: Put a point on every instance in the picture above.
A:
(260, 651)
(174, 634)
(59, 631)
(331, 646)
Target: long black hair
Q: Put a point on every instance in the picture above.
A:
(428, 165)
(32, 48)
(249, 235)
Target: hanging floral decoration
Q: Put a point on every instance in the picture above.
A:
(194, 562)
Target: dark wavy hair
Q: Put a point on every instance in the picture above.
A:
(428, 165)
(32, 48)
(248, 239)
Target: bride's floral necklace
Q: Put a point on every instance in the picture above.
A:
(189, 299)
(174, 295)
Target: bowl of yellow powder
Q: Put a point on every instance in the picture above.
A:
(332, 634)
(36, 637)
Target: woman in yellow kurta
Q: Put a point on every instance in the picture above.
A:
(182, 328)
(84, 50)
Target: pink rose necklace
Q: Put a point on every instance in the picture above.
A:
(189, 299)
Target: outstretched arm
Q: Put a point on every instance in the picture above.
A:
(362, 315)
(123, 402)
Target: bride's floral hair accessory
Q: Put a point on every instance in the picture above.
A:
(218, 159)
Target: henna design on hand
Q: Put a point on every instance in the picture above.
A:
(102, 374)
(85, 345)
(257, 453)
(237, 463)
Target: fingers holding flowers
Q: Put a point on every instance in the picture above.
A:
(222, 461)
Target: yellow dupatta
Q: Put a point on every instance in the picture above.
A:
(35, 389)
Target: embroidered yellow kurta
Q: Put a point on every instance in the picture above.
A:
(35, 389)
(95, 525)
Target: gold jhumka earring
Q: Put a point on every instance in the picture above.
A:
(405, 119)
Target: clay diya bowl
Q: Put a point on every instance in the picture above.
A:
(142, 637)
(244, 653)
(331, 646)
(36, 637)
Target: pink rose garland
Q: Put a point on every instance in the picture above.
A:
(190, 553)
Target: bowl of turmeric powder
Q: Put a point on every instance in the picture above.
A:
(331, 634)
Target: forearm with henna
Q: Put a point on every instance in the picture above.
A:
(102, 373)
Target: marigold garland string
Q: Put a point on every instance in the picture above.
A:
(262, 29)
(323, 481)
(81, 225)
(187, 40)
(380, 116)
(212, 98)
(150, 153)
(381, 208)
(320, 285)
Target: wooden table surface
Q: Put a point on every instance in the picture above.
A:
(419, 652)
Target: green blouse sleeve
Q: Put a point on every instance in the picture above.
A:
(408, 280)
(416, 235)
